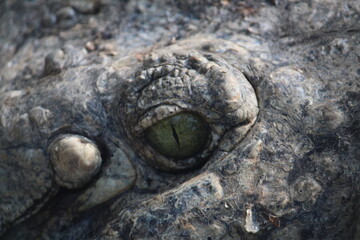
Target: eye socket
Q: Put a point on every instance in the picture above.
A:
(180, 136)
(183, 107)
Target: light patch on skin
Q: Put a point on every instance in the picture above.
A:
(250, 224)
(40, 116)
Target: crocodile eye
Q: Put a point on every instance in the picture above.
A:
(179, 136)
(183, 107)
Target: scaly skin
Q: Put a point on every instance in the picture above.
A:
(277, 82)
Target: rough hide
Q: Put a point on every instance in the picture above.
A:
(275, 85)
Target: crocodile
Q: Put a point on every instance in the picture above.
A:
(160, 119)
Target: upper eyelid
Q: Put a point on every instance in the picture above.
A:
(184, 63)
(158, 71)
(159, 112)
(156, 114)
(149, 102)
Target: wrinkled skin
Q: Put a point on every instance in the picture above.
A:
(285, 168)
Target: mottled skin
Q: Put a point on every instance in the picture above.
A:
(285, 165)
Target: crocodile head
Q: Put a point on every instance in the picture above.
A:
(208, 137)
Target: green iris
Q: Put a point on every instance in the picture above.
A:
(179, 136)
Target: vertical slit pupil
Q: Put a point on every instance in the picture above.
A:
(175, 135)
